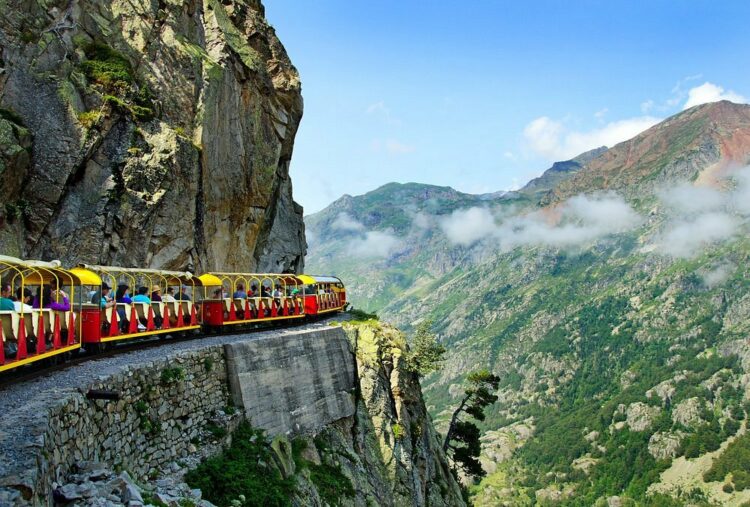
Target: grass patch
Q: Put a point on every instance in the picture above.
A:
(89, 118)
(332, 485)
(171, 375)
(107, 67)
(243, 469)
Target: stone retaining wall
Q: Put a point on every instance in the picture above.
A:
(293, 384)
(165, 404)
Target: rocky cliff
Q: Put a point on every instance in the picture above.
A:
(154, 133)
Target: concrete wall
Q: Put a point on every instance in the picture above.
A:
(293, 384)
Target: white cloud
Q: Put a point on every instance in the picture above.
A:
(467, 226)
(709, 92)
(509, 155)
(687, 198)
(375, 244)
(554, 141)
(579, 220)
(647, 106)
(718, 275)
(345, 222)
(422, 221)
(601, 113)
(699, 217)
(582, 219)
(687, 238)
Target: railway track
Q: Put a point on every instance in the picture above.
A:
(60, 363)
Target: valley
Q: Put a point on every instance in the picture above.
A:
(610, 295)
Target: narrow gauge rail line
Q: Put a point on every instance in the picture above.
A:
(35, 370)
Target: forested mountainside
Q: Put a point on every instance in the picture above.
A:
(613, 305)
(156, 134)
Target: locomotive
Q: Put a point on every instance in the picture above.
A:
(59, 310)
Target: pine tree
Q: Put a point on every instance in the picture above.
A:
(425, 353)
(462, 439)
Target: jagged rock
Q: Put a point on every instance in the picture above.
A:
(640, 416)
(687, 412)
(182, 163)
(664, 445)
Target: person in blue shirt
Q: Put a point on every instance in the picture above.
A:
(142, 296)
(240, 292)
(6, 303)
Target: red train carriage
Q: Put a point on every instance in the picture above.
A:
(245, 298)
(322, 294)
(126, 303)
(44, 321)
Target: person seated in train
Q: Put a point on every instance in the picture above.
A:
(142, 296)
(218, 293)
(52, 297)
(123, 296)
(169, 296)
(253, 291)
(240, 292)
(23, 303)
(277, 295)
(156, 294)
(265, 291)
(103, 297)
(6, 303)
(183, 294)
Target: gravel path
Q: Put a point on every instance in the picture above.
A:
(17, 396)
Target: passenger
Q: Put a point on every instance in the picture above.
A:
(169, 296)
(183, 294)
(142, 296)
(156, 294)
(253, 291)
(123, 296)
(265, 292)
(240, 292)
(53, 298)
(277, 295)
(24, 300)
(104, 300)
(218, 293)
(6, 303)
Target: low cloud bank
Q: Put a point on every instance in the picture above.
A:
(579, 220)
(696, 218)
(365, 244)
(699, 217)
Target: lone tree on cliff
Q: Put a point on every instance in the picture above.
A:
(462, 439)
(425, 353)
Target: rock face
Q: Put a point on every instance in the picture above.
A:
(148, 133)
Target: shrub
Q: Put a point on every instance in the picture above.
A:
(89, 118)
(170, 375)
(332, 485)
(107, 67)
(243, 469)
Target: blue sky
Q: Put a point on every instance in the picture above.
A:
(483, 95)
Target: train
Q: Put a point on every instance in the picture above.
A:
(59, 310)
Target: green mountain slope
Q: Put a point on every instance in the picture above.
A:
(619, 324)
